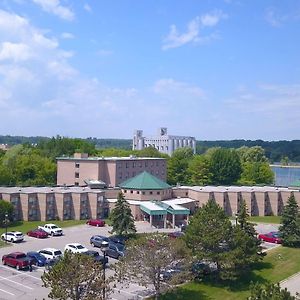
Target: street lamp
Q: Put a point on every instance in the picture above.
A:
(104, 247)
(6, 222)
(236, 218)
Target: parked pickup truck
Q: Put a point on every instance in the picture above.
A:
(19, 260)
(51, 229)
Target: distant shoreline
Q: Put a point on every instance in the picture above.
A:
(281, 166)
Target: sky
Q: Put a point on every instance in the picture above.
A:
(227, 69)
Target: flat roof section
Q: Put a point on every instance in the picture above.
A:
(109, 158)
(152, 209)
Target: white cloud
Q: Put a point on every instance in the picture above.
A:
(67, 36)
(55, 7)
(171, 87)
(272, 18)
(192, 34)
(87, 8)
(14, 51)
(104, 52)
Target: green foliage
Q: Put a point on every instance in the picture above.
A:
(178, 166)
(6, 208)
(290, 220)
(199, 170)
(211, 236)
(256, 173)
(225, 166)
(269, 292)
(121, 217)
(252, 154)
(148, 256)
(64, 146)
(76, 277)
(284, 161)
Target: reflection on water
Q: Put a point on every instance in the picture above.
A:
(286, 176)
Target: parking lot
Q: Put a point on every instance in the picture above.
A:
(25, 285)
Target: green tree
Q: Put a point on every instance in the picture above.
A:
(225, 166)
(178, 166)
(290, 220)
(121, 217)
(6, 208)
(148, 256)
(285, 161)
(199, 170)
(211, 236)
(252, 154)
(76, 277)
(269, 291)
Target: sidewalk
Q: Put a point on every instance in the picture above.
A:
(292, 284)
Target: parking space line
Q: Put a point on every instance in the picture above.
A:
(16, 283)
(7, 292)
(20, 272)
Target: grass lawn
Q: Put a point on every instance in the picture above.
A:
(27, 226)
(266, 219)
(272, 269)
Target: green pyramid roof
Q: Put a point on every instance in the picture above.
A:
(144, 181)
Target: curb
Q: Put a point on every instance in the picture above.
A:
(290, 277)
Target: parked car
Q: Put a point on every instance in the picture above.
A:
(97, 257)
(37, 258)
(75, 248)
(96, 240)
(176, 234)
(38, 233)
(13, 236)
(51, 253)
(96, 222)
(271, 237)
(168, 273)
(203, 267)
(18, 260)
(115, 250)
(119, 239)
(51, 229)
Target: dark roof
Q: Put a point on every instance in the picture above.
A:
(144, 181)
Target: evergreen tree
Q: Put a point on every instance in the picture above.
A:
(269, 292)
(290, 220)
(122, 218)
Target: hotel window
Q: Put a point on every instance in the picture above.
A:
(131, 192)
(158, 193)
(77, 165)
(150, 192)
(143, 193)
(76, 183)
(125, 191)
(137, 192)
(126, 165)
(146, 164)
(76, 175)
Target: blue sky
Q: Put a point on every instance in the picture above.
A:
(225, 69)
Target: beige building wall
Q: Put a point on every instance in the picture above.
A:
(274, 201)
(260, 200)
(59, 197)
(219, 198)
(233, 198)
(43, 205)
(76, 205)
(182, 193)
(24, 206)
(147, 195)
(93, 204)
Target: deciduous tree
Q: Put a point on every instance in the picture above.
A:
(121, 217)
(148, 257)
(76, 277)
(198, 170)
(5, 208)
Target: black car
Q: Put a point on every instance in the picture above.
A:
(119, 239)
(96, 240)
(97, 257)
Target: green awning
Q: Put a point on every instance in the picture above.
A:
(174, 209)
(153, 209)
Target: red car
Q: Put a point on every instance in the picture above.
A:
(94, 222)
(271, 237)
(38, 233)
(18, 260)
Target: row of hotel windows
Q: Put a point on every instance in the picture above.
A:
(150, 192)
(133, 164)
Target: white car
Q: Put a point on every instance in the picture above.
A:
(13, 236)
(76, 248)
(51, 253)
(51, 229)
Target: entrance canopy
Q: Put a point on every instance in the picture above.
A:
(174, 209)
(152, 209)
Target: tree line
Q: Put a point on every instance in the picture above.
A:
(27, 164)
(275, 151)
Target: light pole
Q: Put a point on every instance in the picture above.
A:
(236, 218)
(104, 247)
(6, 221)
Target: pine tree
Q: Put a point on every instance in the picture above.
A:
(290, 220)
(122, 218)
